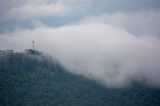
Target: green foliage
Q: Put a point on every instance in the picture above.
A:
(34, 80)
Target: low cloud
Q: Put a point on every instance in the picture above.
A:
(105, 53)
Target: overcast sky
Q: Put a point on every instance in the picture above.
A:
(138, 17)
(114, 42)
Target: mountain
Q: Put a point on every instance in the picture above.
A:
(33, 79)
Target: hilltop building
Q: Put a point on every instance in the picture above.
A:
(6, 51)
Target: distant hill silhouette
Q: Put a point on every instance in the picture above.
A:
(36, 80)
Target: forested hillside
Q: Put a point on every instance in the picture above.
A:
(37, 80)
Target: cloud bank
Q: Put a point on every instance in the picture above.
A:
(110, 41)
(102, 52)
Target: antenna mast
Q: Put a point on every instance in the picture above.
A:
(33, 47)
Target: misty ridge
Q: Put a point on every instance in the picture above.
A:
(79, 52)
(32, 78)
(108, 55)
(114, 44)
